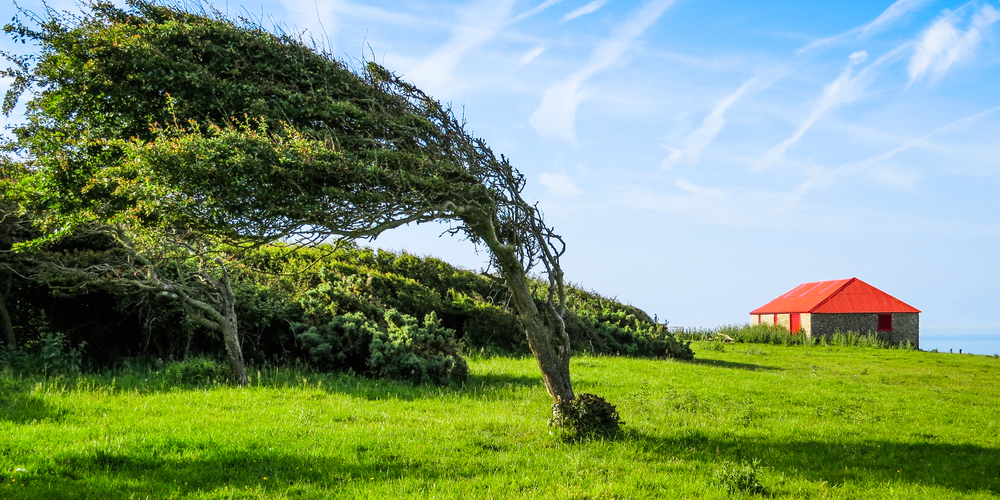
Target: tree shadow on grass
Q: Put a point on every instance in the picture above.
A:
(189, 469)
(18, 405)
(732, 365)
(960, 467)
(502, 380)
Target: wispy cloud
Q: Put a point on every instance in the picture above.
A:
(697, 141)
(530, 55)
(534, 10)
(478, 22)
(944, 44)
(920, 142)
(898, 9)
(844, 89)
(556, 116)
(696, 189)
(560, 184)
(586, 9)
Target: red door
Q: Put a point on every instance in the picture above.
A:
(796, 323)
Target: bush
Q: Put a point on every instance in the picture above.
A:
(587, 416)
(399, 348)
(48, 352)
(341, 344)
(415, 353)
(198, 370)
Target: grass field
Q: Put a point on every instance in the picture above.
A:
(821, 422)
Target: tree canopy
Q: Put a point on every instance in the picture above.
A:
(177, 132)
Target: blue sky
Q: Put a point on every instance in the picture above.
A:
(702, 157)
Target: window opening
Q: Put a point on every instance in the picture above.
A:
(885, 322)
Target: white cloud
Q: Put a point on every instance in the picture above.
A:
(556, 115)
(535, 10)
(560, 184)
(696, 189)
(478, 22)
(843, 89)
(530, 55)
(321, 16)
(828, 177)
(898, 9)
(697, 141)
(944, 44)
(586, 9)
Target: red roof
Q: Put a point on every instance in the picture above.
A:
(837, 296)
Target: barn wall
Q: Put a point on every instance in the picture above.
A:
(785, 320)
(906, 326)
(806, 324)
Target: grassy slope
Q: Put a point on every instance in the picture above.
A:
(824, 423)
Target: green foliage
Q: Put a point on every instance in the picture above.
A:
(587, 416)
(198, 370)
(421, 354)
(779, 335)
(349, 328)
(601, 325)
(855, 339)
(761, 334)
(742, 478)
(342, 343)
(46, 351)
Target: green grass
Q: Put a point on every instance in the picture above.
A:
(818, 422)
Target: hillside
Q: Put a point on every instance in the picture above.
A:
(316, 306)
(818, 422)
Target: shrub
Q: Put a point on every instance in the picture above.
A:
(49, 351)
(341, 344)
(419, 354)
(587, 416)
(740, 478)
(198, 370)
(400, 348)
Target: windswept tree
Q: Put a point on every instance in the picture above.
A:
(178, 130)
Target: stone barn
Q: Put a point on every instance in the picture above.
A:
(822, 307)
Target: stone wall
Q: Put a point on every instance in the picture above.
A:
(905, 326)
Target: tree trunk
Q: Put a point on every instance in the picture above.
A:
(230, 329)
(5, 323)
(551, 351)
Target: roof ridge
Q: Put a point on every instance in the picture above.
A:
(834, 293)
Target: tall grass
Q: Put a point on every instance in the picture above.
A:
(779, 335)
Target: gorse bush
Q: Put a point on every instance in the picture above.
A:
(426, 353)
(397, 347)
(349, 328)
